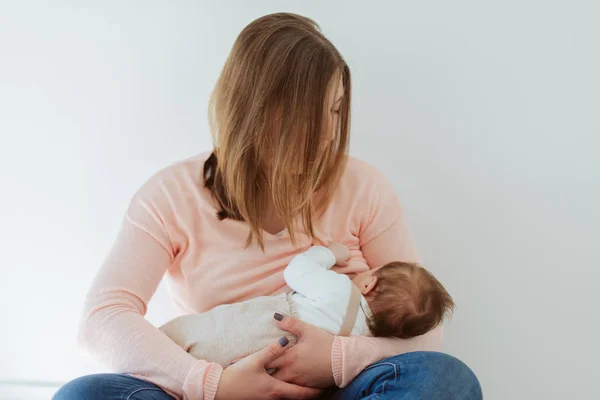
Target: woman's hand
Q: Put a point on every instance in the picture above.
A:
(248, 378)
(308, 363)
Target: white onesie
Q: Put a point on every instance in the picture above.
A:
(320, 295)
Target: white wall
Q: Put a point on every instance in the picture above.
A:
(484, 116)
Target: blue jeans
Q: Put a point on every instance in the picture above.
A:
(411, 376)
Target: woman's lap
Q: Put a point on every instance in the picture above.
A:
(410, 376)
(110, 387)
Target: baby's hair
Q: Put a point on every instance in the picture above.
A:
(407, 301)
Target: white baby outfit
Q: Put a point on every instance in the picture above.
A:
(320, 297)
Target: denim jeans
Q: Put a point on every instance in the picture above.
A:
(411, 376)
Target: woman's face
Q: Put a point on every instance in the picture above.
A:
(334, 102)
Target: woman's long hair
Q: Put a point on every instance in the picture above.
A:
(271, 126)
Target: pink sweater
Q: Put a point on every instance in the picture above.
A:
(171, 231)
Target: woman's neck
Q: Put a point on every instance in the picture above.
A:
(271, 222)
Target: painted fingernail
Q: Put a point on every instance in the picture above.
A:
(278, 317)
(283, 341)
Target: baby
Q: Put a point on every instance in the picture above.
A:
(398, 299)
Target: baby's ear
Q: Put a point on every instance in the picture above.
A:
(369, 285)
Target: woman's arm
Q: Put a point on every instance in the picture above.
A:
(113, 329)
(350, 355)
(384, 237)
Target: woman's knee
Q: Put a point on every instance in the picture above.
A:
(429, 375)
(441, 364)
(84, 387)
(110, 387)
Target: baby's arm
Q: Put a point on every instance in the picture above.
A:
(309, 274)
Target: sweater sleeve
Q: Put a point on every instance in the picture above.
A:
(113, 329)
(384, 237)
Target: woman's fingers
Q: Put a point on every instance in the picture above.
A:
(280, 361)
(309, 362)
(270, 353)
(282, 375)
(290, 324)
(269, 356)
(247, 378)
(291, 391)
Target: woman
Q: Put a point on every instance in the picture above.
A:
(222, 227)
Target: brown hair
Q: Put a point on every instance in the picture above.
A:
(407, 301)
(269, 121)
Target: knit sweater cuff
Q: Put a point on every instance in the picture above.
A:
(202, 381)
(337, 358)
(212, 381)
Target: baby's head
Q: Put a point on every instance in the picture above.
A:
(406, 300)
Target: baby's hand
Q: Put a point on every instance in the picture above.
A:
(341, 253)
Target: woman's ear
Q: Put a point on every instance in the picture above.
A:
(368, 285)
